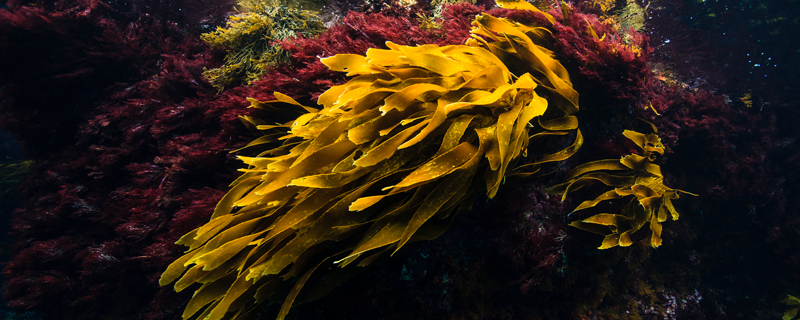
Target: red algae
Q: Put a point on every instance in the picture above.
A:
(114, 151)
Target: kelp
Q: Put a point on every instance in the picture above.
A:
(389, 158)
(794, 304)
(248, 38)
(632, 176)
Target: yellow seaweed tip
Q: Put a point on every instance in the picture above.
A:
(793, 304)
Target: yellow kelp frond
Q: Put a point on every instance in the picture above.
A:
(392, 157)
(248, 38)
(522, 48)
(523, 5)
(794, 304)
(632, 176)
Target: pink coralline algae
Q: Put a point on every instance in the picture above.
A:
(132, 151)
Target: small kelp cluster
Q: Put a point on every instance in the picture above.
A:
(391, 157)
(632, 176)
(794, 305)
(248, 38)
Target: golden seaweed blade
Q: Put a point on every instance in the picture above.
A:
(793, 305)
(523, 47)
(392, 156)
(632, 176)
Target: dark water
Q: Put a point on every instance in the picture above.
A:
(733, 46)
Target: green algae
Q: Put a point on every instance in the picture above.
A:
(249, 39)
